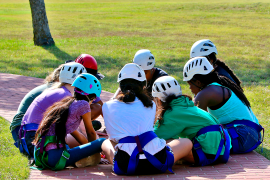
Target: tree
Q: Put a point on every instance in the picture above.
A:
(41, 30)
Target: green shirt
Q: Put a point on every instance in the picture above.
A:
(25, 103)
(185, 120)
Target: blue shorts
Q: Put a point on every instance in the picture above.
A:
(248, 137)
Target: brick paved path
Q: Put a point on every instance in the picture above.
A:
(247, 166)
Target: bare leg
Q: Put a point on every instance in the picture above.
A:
(108, 150)
(181, 148)
(189, 157)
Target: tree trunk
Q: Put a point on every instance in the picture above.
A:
(41, 30)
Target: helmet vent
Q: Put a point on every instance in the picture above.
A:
(189, 67)
(201, 62)
(69, 68)
(139, 74)
(176, 82)
(169, 85)
(119, 75)
(205, 68)
(74, 70)
(149, 63)
(207, 44)
(151, 57)
(95, 81)
(196, 62)
(81, 71)
(162, 85)
(74, 75)
(185, 74)
(157, 88)
(83, 77)
(63, 68)
(192, 64)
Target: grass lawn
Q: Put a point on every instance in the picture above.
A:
(13, 165)
(112, 31)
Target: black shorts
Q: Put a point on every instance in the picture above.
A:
(208, 156)
(144, 166)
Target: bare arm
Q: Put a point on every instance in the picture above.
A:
(201, 100)
(100, 102)
(91, 134)
(79, 137)
(208, 97)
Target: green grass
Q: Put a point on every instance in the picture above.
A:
(13, 165)
(112, 31)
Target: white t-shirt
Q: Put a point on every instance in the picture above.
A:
(130, 119)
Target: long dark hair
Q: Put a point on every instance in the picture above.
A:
(222, 64)
(58, 114)
(224, 81)
(132, 88)
(164, 106)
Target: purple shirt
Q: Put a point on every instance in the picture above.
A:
(96, 100)
(34, 113)
(76, 110)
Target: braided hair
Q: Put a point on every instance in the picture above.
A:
(131, 89)
(222, 64)
(224, 81)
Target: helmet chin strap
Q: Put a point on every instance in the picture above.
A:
(196, 85)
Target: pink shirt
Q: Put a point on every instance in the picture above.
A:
(76, 110)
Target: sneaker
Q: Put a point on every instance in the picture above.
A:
(89, 161)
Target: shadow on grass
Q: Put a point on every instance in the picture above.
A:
(58, 53)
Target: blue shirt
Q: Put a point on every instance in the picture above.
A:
(233, 109)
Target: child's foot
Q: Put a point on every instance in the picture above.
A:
(89, 161)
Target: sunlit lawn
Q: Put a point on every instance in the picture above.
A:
(112, 31)
(12, 164)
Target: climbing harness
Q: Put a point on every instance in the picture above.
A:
(141, 141)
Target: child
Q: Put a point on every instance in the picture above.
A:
(28, 99)
(64, 117)
(129, 123)
(179, 117)
(225, 101)
(34, 113)
(206, 48)
(146, 60)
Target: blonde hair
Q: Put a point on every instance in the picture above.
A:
(54, 76)
(57, 85)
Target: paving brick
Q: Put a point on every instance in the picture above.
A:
(245, 166)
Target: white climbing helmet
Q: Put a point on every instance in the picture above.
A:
(131, 71)
(165, 86)
(145, 59)
(197, 65)
(202, 47)
(70, 71)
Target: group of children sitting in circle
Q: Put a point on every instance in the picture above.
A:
(150, 123)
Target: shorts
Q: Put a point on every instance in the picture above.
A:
(144, 166)
(248, 137)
